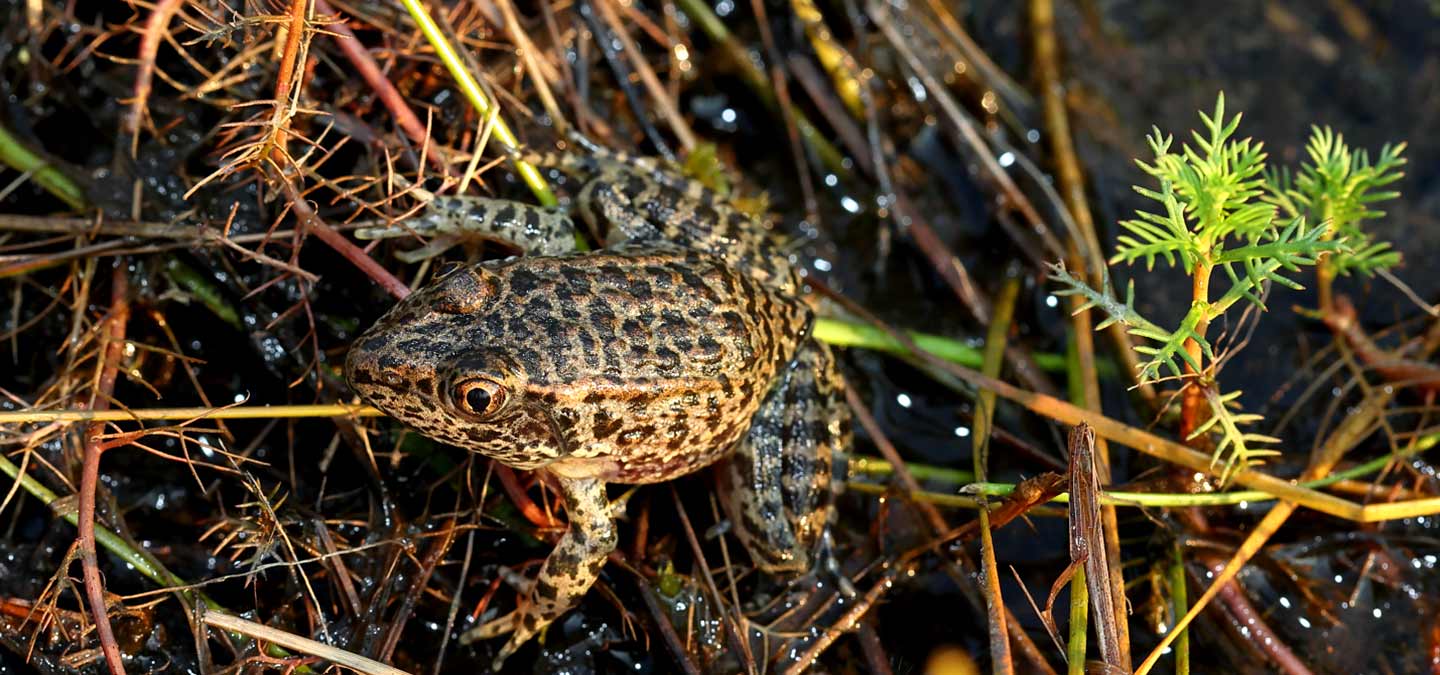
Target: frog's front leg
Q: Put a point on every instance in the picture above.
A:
(569, 571)
(536, 230)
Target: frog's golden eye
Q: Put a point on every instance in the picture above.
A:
(480, 396)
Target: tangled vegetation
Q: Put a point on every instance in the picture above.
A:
(204, 203)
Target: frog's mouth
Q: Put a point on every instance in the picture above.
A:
(557, 431)
(540, 453)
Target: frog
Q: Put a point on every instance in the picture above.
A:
(683, 343)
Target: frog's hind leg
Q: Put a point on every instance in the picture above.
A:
(778, 486)
(569, 571)
(536, 230)
(591, 159)
(630, 209)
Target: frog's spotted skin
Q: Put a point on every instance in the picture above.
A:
(800, 432)
(642, 366)
(535, 230)
(681, 343)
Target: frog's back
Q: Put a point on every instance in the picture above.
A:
(653, 362)
(633, 316)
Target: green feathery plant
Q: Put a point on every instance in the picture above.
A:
(1340, 186)
(1219, 210)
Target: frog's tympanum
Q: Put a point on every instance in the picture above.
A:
(682, 343)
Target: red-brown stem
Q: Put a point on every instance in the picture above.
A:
(1257, 631)
(286, 76)
(114, 349)
(145, 74)
(532, 511)
(313, 224)
(1341, 319)
(875, 658)
(1194, 409)
(390, 97)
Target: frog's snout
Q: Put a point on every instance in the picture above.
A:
(374, 370)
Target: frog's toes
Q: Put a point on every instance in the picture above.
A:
(523, 626)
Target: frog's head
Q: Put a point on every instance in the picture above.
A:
(430, 363)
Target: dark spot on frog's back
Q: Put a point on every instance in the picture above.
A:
(517, 328)
(376, 342)
(635, 330)
(539, 305)
(613, 271)
(639, 289)
(640, 401)
(637, 435)
(734, 324)
(576, 280)
(530, 359)
(691, 279)
(602, 319)
(662, 277)
(505, 214)
(707, 350)
(672, 320)
(361, 376)
(565, 561)
(667, 360)
(523, 281)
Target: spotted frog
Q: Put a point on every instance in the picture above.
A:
(683, 343)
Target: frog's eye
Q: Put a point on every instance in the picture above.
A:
(480, 396)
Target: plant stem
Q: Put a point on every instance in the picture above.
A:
(1180, 605)
(995, 340)
(842, 333)
(1079, 623)
(1194, 410)
(52, 180)
(113, 350)
(470, 87)
(1324, 268)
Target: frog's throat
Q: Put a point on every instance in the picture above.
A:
(603, 468)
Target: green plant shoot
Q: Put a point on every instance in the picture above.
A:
(1341, 186)
(1220, 210)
